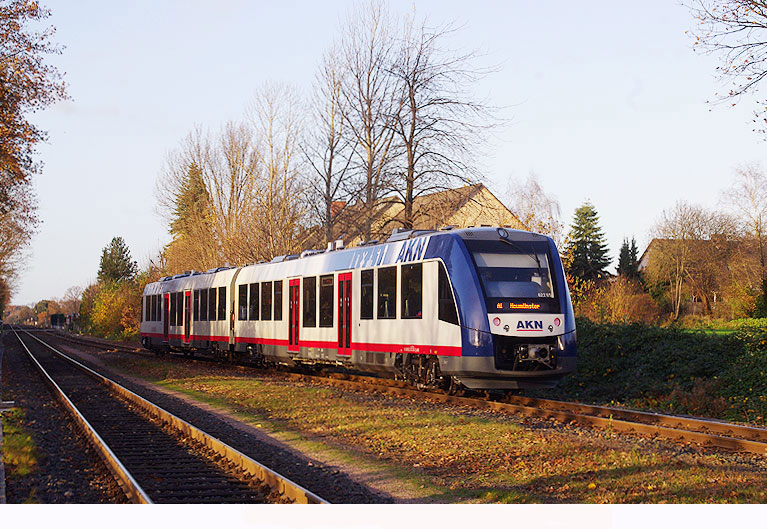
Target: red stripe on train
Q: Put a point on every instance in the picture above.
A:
(440, 350)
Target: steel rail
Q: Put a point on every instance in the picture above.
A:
(707, 432)
(284, 486)
(127, 482)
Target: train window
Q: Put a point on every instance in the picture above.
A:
(253, 307)
(366, 295)
(412, 291)
(310, 302)
(326, 301)
(150, 299)
(242, 302)
(145, 311)
(180, 308)
(445, 298)
(266, 300)
(172, 318)
(196, 306)
(156, 308)
(387, 293)
(179, 311)
(212, 304)
(204, 304)
(221, 303)
(278, 300)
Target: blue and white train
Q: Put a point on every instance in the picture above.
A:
(484, 308)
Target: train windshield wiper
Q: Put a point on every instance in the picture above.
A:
(532, 255)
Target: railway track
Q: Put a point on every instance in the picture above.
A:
(706, 432)
(155, 456)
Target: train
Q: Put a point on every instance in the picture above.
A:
(479, 308)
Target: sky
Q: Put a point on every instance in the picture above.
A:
(604, 101)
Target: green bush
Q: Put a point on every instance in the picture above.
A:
(672, 369)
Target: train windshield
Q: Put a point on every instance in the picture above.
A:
(515, 275)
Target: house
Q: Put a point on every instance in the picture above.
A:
(463, 207)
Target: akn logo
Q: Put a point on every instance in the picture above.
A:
(530, 325)
(411, 250)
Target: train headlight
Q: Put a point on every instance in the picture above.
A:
(496, 321)
(557, 322)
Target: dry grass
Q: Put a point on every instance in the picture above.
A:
(475, 458)
(19, 450)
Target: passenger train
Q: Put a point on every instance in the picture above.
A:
(482, 308)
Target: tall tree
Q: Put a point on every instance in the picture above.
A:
(116, 263)
(586, 247)
(27, 84)
(5, 296)
(228, 166)
(439, 126)
(274, 117)
(328, 147)
(371, 101)
(628, 259)
(191, 202)
(536, 209)
(736, 31)
(747, 198)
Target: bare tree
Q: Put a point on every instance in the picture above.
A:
(328, 147)
(736, 31)
(279, 202)
(439, 127)
(537, 210)
(692, 251)
(747, 198)
(216, 234)
(73, 296)
(371, 100)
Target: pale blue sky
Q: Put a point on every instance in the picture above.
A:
(607, 102)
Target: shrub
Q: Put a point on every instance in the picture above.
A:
(113, 309)
(721, 375)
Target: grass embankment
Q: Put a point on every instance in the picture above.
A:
(19, 450)
(718, 374)
(459, 457)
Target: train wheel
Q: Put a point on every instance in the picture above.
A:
(454, 387)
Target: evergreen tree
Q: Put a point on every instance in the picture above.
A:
(628, 259)
(116, 263)
(190, 203)
(586, 247)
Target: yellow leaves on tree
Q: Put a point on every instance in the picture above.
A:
(112, 310)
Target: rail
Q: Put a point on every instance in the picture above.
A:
(282, 485)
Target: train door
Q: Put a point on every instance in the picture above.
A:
(345, 314)
(166, 316)
(294, 304)
(187, 314)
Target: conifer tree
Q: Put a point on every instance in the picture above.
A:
(628, 259)
(586, 248)
(190, 203)
(116, 263)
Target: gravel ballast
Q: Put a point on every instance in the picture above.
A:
(68, 470)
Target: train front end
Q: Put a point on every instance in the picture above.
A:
(519, 329)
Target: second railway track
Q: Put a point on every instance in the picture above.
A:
(154, 463)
